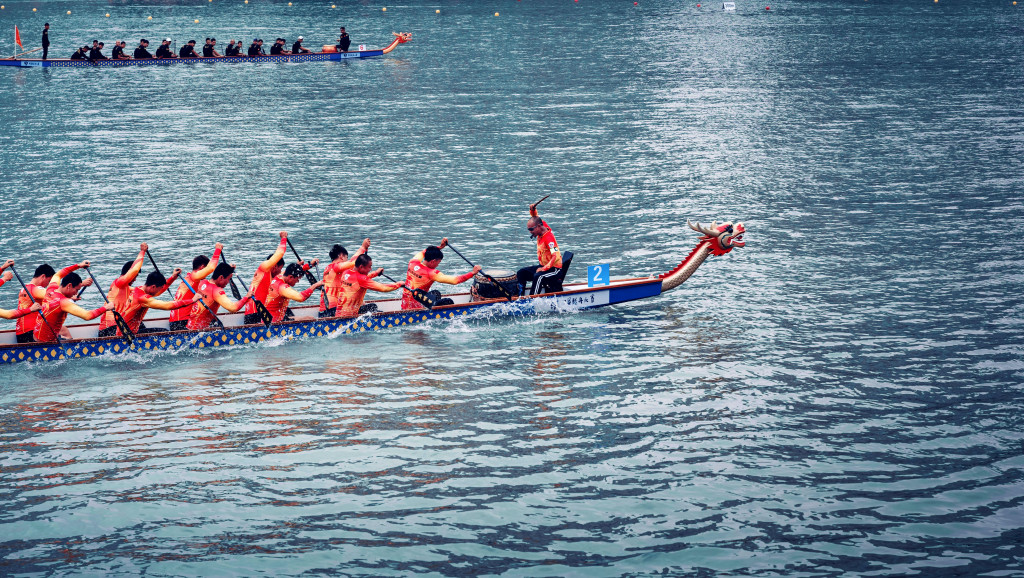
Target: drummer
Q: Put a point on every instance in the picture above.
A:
(547, 253)
(423, 273)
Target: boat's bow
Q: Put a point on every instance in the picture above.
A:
(400, 38)
(717, 240)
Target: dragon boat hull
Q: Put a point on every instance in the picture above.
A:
(619, 291)
(310, 57)
(717, 240)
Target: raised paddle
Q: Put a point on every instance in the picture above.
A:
(126, 332)
(540, 201)
(41, 316)
(261, 309)
(484, 273)
(309, 276)
(421, 296)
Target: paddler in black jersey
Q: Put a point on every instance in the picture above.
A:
(141, 52)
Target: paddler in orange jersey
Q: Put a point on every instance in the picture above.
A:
(142, 299)
(59, 303)
(423, 273)
(281, 292)
(119, 291)
(202, 266)
(332, 277)
(41, 279)
(261, 279)
(13, 313)
(547, 253)
(212, 294)
(354, 284)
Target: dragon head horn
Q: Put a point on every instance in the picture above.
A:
(711, 231)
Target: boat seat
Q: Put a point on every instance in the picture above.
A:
(553, 284)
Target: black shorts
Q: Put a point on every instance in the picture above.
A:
(369, 308)
(25, 337)
(332, 312)
(108, 332)
(179, 325)
(252, 318)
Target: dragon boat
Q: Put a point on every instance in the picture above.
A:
(327, 55)
(716, 239)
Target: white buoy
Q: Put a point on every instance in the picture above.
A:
(729, 6)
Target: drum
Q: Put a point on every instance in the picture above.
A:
(484, 288)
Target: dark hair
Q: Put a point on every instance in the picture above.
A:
(71, 279)
(337, 251)
(223, 270)
(432, 253)
(279, 261)
(199, 262)
(45, 270)
(294, 270)
(156, 279)
(363, 259)
(126, 267)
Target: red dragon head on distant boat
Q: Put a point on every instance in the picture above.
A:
(724, 237)
(402, 37)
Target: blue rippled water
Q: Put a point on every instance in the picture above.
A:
(841, 397)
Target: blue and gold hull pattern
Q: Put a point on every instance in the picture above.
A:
(312, 57)
(294, 330)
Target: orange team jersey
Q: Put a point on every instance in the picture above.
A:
(200, 317)
(261, 279)
(27, 324)
(332, 283)
(135, 309)
(422, 277)
(118, 295)
(353, 290)
(547, 247)
(55, 315)
(276, 303)
(184, 292)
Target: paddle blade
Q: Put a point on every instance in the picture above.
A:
(265, 315)
(234, 290)
(122, 325)
(425, 299)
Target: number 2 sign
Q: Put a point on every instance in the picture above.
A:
(598, 275)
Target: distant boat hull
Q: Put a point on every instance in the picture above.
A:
(310, 57)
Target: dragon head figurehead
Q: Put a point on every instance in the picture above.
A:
(402, 37)
(724, 237)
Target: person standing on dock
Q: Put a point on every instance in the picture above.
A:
(547, 252)
(354, 284)
(213, 298)
(202, 267)
(120, 288)
(343, 41)
(423, 273)
(59, 303)
(332, 277)
(46, 39)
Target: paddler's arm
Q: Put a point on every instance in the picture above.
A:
(68, 306)
(167, 285)
(64, 273)
(129, 277)
(16, 313)
(154, 303)
(455, 280)
(278, 254)
(373, 274)
(362, 249)
(233, 306)
(381, 287)
(7, 276)
(208, 269)
(300, 297)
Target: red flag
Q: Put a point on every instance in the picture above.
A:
(17, 36)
